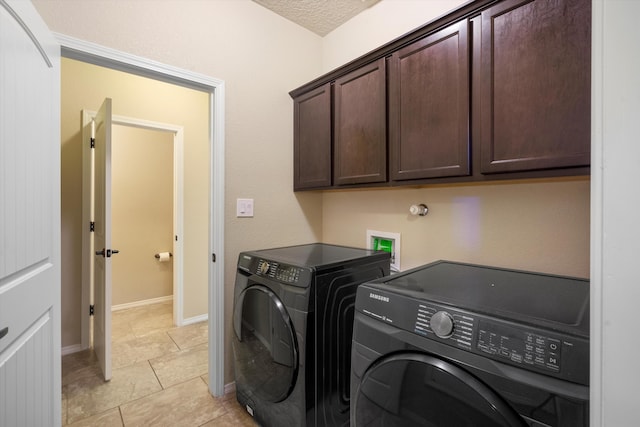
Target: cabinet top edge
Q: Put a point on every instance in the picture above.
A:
(464, 11)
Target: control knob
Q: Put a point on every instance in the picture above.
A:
(442, 324)
(264, 267)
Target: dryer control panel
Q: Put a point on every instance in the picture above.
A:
(285, 273)
(536, 349)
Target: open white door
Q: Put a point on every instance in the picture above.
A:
(30, 385)
(102, 239)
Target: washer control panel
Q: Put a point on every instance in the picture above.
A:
(476, 333)
(528, 347)
(540, 350)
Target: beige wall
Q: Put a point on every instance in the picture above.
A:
(85, 86)
(261, 57)
(536, 225)
(540, 226)
(141, 213)
(378, 25)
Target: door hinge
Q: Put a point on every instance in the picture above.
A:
(91, 309)
(93, 143)
(213, 257)
(92, 226)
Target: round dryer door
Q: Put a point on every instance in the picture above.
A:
(415, 389)
(265, 347)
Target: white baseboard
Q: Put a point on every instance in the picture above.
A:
(141, 303)
(230, 388)
(71, 349)
(195, 319)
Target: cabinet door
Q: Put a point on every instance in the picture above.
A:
(429, 106)
(360, 144)
(312, 139)
(535, 85)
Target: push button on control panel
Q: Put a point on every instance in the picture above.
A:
(288, 274)
(553, 354)
(519, 347)
(543, 351)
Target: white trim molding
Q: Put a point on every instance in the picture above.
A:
(103, 56)
(615, 201)
(142, 303)
(596, 279)
(72, 349)
(195, 319)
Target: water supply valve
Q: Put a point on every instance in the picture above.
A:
(419, 210)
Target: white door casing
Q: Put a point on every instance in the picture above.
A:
(102, 239)
(30, 384)
(88, 251)
(88, 215)
(103, 56)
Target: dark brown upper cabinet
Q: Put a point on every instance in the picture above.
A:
(312, 139)
(535, 85)
(429, 106)
(360, 130)
(493, 90)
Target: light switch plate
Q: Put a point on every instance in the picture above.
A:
(244, 208)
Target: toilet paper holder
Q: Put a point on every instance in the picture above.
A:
(158, 255)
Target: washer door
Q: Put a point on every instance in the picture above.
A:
(414, 389)
(265, 347)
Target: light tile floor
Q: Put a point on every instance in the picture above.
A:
(159, 377)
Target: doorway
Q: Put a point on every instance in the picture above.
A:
(133, 189)
(147, 197)
(142, 216)
(212, 233)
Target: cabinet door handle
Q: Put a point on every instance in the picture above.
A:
(4, 331)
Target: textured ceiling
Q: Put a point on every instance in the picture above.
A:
(319, 16)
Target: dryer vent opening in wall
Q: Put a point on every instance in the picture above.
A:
(388, 242)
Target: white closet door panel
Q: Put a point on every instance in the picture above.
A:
(26, 176)
(26, 389)
(36, 285)
(30, 358)
(102, 238)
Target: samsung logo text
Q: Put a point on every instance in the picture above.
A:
(378, 297)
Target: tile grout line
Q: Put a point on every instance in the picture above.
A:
(174, 341)
(155, 374)
(225, 407)
(121, 416)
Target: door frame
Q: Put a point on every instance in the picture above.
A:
(110, 58)
(178, 212)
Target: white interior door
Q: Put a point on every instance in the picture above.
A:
(30, 385)
(102, 239)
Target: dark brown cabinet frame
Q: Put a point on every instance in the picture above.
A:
(429, 134)
(360, 131)
(536, 102)
(312, 139)
(481, 107)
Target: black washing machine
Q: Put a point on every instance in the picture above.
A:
(293, 323)
(452, 344)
